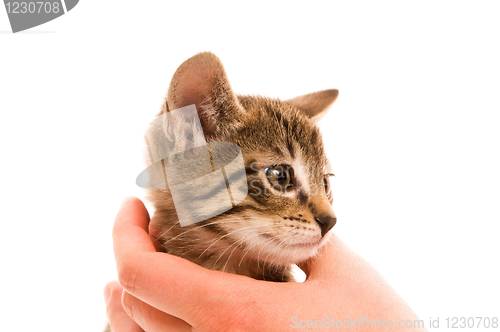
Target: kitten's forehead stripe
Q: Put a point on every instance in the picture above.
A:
(302, 197)
(273, 127)
(251, 170)
(240, 208)
(278, 151)
(290, 148)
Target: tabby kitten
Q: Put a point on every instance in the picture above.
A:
(287, 214)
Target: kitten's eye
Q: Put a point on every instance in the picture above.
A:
(326, 182)
(280, 176)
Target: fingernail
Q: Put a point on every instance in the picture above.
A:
(107, 293)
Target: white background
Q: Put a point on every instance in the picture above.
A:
(413, 138)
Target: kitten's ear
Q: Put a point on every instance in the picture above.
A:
(315, 104)
(202, 80)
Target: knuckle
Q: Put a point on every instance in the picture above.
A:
(126, 301)
(134, 309)
(128, 276)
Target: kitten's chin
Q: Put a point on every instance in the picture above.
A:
(293, 256)
(290, 253)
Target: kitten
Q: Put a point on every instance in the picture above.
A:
(287, 214)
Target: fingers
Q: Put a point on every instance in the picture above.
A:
(119, 320)
(150, 318)
(169, 283)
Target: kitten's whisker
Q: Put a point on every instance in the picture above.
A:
(165, 232)
(229, 255)
(192, 229)
(239, 242)
(246, 252)
(258, 257)
(222, 254)
(221, 237)
(219, 221)
(270, 252)
(230, 233)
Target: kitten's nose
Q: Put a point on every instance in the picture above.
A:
(326, 222)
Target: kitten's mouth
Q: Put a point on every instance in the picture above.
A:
(294, 252)
(303, 247)
(311, 244)
(297, 245)
(306, 245)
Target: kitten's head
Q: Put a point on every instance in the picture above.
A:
(287, 214)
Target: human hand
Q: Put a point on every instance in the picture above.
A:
(167, 293)
(119, 320)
